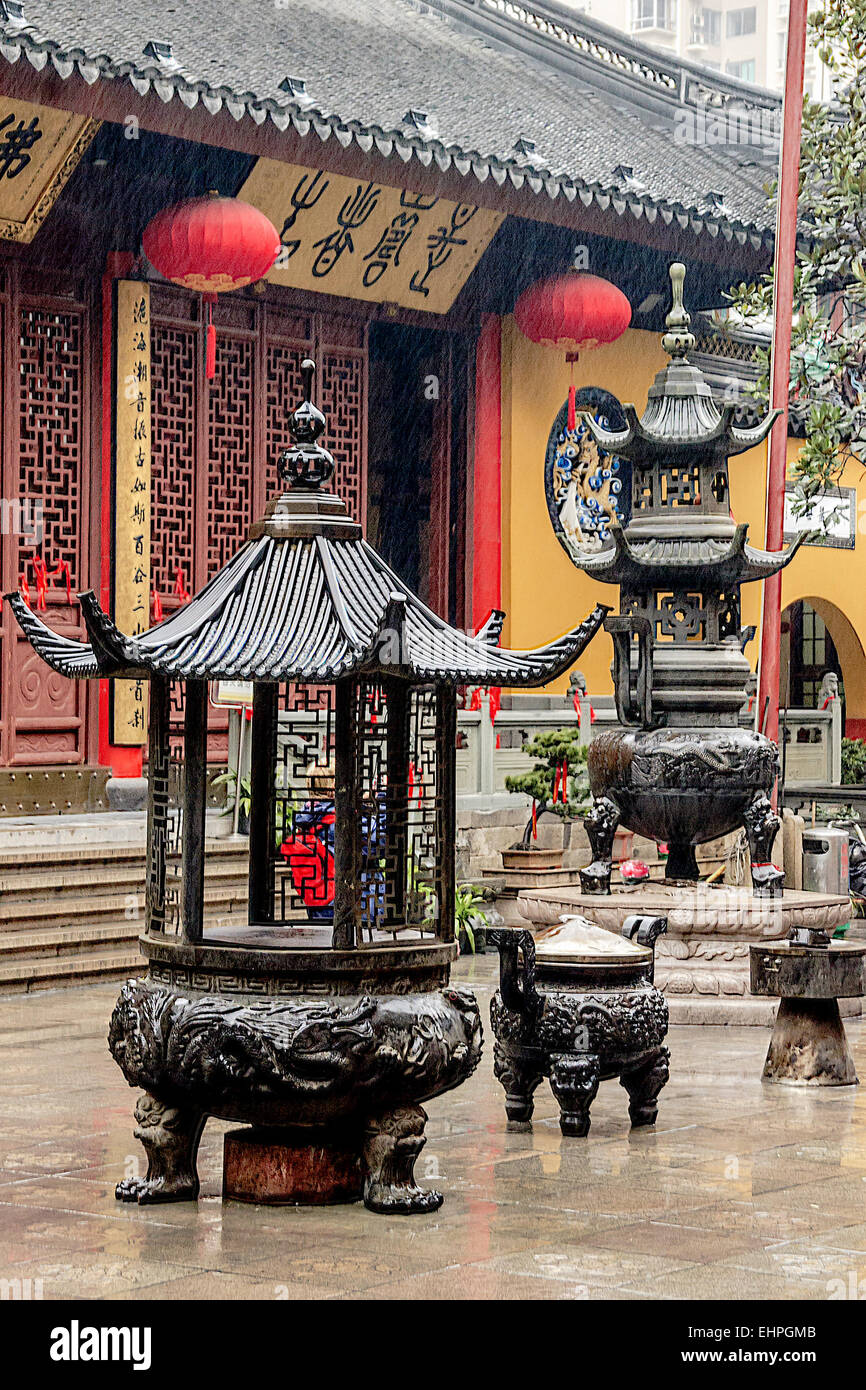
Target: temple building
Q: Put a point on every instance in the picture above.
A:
(414, 204)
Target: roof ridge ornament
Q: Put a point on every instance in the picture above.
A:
(306, 465)
(678, 341)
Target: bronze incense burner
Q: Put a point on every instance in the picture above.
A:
(681, 770)
(578, 1005)
(324, 1017)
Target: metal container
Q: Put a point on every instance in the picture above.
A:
(825, 860)
(578, 1005)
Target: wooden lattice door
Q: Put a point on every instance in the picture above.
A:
(45, 541)
(215, 444)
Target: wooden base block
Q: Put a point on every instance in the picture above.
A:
(808, 1046)
(292, 1167)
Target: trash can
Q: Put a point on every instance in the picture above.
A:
(825, 860)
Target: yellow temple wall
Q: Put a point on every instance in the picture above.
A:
(542, 592)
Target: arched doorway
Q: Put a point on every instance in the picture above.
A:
(817, 637)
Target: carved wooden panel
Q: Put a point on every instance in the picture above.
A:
(231, 408)
(342, 398)
(176, 367)
(50, 428)
(46, 714)
(282, 391)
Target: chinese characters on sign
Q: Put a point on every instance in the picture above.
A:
(39, 148)
(365, 240)
(131, 496)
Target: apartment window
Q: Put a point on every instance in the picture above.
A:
(654, 14)
(741, 22)
(744, 70)
(711, 22)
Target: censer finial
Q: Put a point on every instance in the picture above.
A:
(305, 464)
(678, 340)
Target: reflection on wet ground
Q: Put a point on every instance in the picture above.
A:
(742, 1191)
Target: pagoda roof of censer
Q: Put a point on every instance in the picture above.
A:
(679, 416)
(305, 599)
(683, 559)
(681, 413)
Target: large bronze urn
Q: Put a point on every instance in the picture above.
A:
(324, 1018)
(680, 770)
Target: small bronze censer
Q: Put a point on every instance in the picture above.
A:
(578, 1004)
(682, 770)
(324, 1017)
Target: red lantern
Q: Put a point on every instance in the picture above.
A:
(212, 245)
(573, 311)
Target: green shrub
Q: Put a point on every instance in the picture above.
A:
(853, 761)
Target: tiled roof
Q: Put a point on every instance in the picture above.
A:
(302, 608)
(564, 120)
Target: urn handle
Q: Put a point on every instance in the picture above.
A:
(516, 985)
(633, 706)
(646, 931)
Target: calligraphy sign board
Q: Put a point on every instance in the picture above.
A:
(366, 240)
(39, 148)
(132, 460)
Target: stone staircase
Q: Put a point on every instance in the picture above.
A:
(73, 915)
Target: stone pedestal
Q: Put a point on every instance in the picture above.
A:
(808, 1046)
(292, 1167)
(544, 872)
(702, 964)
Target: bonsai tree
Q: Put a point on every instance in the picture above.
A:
(558, 782)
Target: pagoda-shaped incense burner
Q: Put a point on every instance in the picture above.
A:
(681, 771)
(325, 1020)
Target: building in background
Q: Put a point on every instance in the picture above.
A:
(744, 41)
(440, 412)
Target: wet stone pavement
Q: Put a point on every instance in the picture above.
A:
(742, 1191)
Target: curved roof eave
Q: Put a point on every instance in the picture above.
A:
(17, 41)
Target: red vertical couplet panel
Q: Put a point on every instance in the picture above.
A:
(487, 501)
(786, 246)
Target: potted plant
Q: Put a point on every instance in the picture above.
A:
(558, 783)
(470, 918)
(228, 779)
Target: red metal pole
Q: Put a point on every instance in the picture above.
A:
(487, 491)
(783, 302)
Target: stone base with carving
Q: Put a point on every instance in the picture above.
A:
(702, 964)
(338, 1075)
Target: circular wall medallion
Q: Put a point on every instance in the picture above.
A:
(586, 488)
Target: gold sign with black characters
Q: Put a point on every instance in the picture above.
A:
(39, 148)
(132, 460)
(365, 240)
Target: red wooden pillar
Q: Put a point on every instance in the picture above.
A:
(124, 762)
(487, 490)
(783, 297)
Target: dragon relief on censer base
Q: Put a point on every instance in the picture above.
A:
(360, 1064)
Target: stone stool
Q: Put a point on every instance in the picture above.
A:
(808, 1046)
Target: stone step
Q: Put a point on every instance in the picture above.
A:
(23, 976)
(81, 908)
(36, 856)
(72, 942)
(30, 884)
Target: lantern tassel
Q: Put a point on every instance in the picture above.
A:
(210, 348)
(572, 411)
(210, 354)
